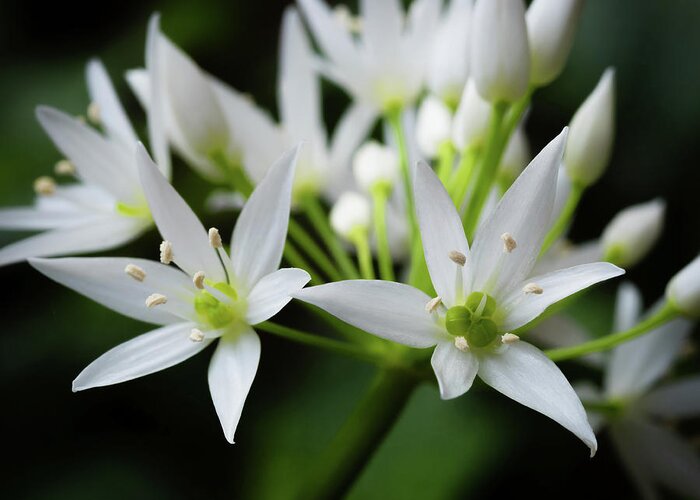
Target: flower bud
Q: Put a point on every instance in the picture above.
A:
(516, 156)
(551, 25)
(472, 118)
(591, 133)
(374, 163)
(350, 212)
(433, 124)
(631, 233)
(500, 57)
(683, 291)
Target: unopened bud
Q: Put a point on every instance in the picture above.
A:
(351, 211)
(683, 291)
(472, 118)
(433, 123)
(374, 163)
(632, 233)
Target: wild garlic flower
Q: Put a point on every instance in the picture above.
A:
(212, 297)
(483, 295)
(683, 291)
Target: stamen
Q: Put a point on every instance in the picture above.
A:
(135, 272)
(93, 113)
(509, 338)
(461, 344)
(44, 185)
(198, 280)
(155, 299)
(166, 252)
(433, 304)
(458, 257)
(533, 288)
(509, 243)
(196, 335)
(215, 238)
(64, 167)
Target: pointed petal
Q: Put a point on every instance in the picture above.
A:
(143, 355)
(523, 373)
(628, 307)
(155, 65)
(677, 399)
(455, 370)
(524, 213)
(521, 307)
(177, 222)
(441, 231)
(261, 230)
(273, 292)
(104, 280)
(35, 219)
(231, 373)
(382, 23)
(389, 310)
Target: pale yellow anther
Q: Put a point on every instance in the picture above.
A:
(156, 299)
(458, 257)
(533, 288)
(461, 344)
(433, 304)
(44, 185)
(196, 335)
(198, 279)
(509, 338)
(166, 252)
(135, 272)
(93, 113)
(509, 243)
(215, 238)
(64, 167)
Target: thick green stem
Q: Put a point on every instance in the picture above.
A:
(296, 259)
(380, 197)
(363, 432)
(309, 245)
(565, 217)
(364, 253)
(663, 315)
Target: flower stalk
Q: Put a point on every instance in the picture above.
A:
(380, 197)
(565, 217)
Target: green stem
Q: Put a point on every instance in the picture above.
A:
(459, 183)
(394, 119)
(363, 432)
(292, 255)
(663, 315)
(446, 158)
(364, 254)
(309, 245)
(233, 172)
(565, 217)
(380, 197)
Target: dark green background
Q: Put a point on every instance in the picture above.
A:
(158, 437)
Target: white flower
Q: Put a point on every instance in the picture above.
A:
(592, 133)
(551, 26)
(211, 297)
(484, 294)
(375, 164)
(631, 234)
(500, 58)
(472, 118)
(350, 213)
(385, 65)
(106, 208)
(683, 291)
(433, 125)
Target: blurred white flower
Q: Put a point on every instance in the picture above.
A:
(632, 233)
(516, 156)
(352, 212)
(373, 164)
(472, 118)
(433, 125)
(683, 291)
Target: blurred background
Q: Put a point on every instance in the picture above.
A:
(158, 437)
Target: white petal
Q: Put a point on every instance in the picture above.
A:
(261, 230)
(523, 373)
(677, 399)
(524, 213)
(392, 311)
(99, 233)
(628, 307)
(177, 222)
(455, 370)
(104, 280)
(521, 308)
(273, 292)
(31, 219)
(382, 22)
(441, 231)
(143, 355)
(155, 64)
(231, 373)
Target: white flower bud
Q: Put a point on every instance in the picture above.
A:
(551, 25)
(516, 156)
(500, 57)
(350, 212)
(591, 133)
(472, 118)
(683, 291)
(374, 163)
(433, 124)
(630, 235)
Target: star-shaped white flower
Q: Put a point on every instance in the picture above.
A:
(483, 294)
(211, 297)
(106, 207)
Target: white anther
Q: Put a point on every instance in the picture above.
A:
(166, 252)
(155, 299)
(135, 272)
(461, 344)
(198, 279)
(509, 338)
(509, 243)
(44, 185)
(215, 238)
(93, 113)
(196, 335)
(64, 167)
(433, 304)
(533, 288)
(458, 257)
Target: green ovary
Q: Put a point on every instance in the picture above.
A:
(473, 320)
(215, 313)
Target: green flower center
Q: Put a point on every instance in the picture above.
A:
(474, 320)
(140, 210)
(216, 314)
